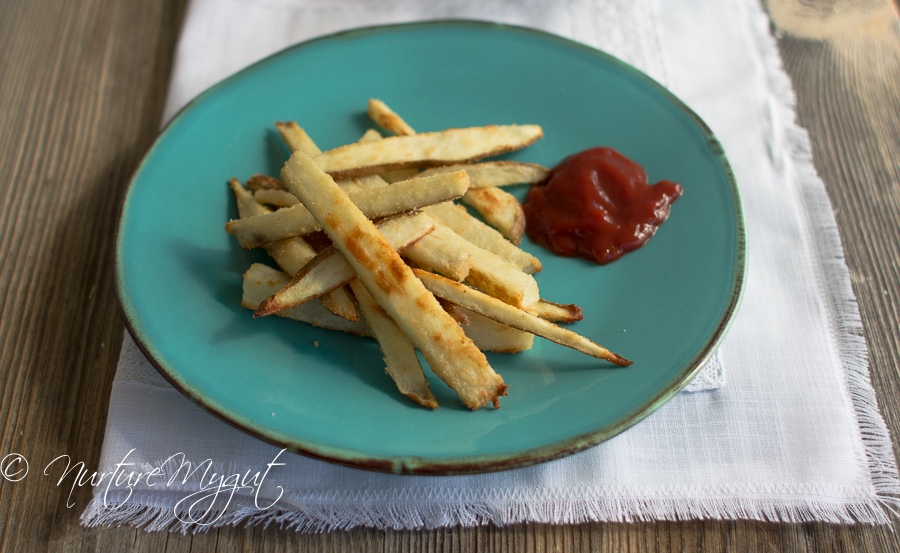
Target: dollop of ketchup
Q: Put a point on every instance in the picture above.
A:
(597, 204)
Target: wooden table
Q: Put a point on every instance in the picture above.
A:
(82, 85)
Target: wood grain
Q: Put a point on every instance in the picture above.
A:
(82, 85)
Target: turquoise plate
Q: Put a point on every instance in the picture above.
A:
(325, 394)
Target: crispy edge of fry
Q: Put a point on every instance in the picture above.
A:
(401, 362)
(500, 209)
(556, 312)
(452, 356)
(493, 308)
(387, 119)
(483, 235)
(456, 312)
(329, 270)
(426, 149)
(261, 281)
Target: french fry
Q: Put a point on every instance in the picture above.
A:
(500, 209)
(275, 198)
(374, 202)
(426, 149)
(261, 281)
(489, 335)
(386, 118)
(329, 270)
(398, 174)
(375, 180)
(269, 190)
(451, 355)
(496, 173)
(292, 254)
(449, 254)
(401, 362)
(472, 229)
(295, 138)
(501, 279)
(499, 311)
(442, 251)
(446, 253)
(556, 312)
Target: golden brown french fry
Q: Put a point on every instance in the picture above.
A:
(373, 181)
(292, 254)
(261, 281)
(500, 209)
(374, 202)
(451, 355)
(476, 231)
(426, 149)
(387, 119)
(442, 251)
(330, 270)
(295, 138)
(275, 198)
(481, 175)
(489, 335)
(282, 198)
(517, 318)
(496, 173)
(401, 361)
(501, 279)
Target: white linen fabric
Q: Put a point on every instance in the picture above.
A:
(794, 435)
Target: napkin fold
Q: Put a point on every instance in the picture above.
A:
(794, 435)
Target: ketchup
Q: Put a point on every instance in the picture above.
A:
(597, 204)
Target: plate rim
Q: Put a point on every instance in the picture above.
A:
(466, 464)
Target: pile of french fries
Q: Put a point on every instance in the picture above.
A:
(403, 259)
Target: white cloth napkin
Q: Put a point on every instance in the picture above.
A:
(794, 435)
